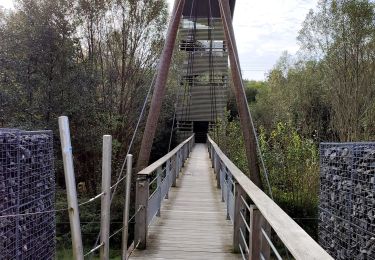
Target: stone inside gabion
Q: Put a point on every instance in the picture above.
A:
(347, 200)
(27, 185)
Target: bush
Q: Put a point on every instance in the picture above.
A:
(292, 163)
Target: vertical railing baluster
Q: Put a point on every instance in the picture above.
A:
(237, 219)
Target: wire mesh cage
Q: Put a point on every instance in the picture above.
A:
(27, 187)
(347, 200)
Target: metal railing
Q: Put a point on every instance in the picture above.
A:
(254, 216)
(153, 184)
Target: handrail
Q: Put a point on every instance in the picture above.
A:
(297, 241)
(152, 167)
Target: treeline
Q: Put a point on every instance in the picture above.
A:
(324, 93)
(90, 60)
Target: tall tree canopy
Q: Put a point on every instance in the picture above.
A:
(90, 60)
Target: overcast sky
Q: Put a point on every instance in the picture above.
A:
(263, 29)
(6, 3)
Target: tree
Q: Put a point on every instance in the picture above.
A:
(91, 61)
(340, 34)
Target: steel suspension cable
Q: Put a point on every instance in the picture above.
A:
(133, 137)
(251, 118)
(179, 91)
(188, 44)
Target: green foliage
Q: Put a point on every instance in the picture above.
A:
(92, 61)
(294, 93)
(252, 88)
(227, 134)
(325, 93)
(293, 166)
(340, 35)
(291, 160)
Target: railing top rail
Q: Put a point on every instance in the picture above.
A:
(298, 242)
(152, 167)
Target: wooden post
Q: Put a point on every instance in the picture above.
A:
(71, 191)
(125, 231)
(183, 156)
(228, 184)
(141, 225)
(258, 243)
(106, 197)
(168, 175)
(222, 190)
(266, 249)
(158, 182)
(179, 162)
(177, 166)
(237, 220)
(174, 181)
(217, 170)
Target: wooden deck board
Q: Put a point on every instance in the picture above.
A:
(193, 221)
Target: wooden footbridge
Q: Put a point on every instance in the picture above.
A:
(192, 222)
(196, 204)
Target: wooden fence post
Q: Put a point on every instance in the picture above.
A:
(217, 170)
(71, 192)
(175, 174)
(258, 243)
(177, 166)
(237, 220)
(125, 231)
(106, 197)
(168, 176)
(158, 187)
(141, 225)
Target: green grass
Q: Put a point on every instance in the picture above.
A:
(66, 254)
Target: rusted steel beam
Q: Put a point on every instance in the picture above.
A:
(239, 91)
(160, 86)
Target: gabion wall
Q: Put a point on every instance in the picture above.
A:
(347, 200)
(27, 185)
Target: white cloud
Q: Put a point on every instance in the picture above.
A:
(6, 3)
(264, 29)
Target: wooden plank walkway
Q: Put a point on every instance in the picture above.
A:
(192, 223)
